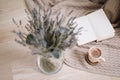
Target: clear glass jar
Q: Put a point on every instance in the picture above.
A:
(51, 62)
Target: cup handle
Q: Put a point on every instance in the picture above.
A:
(102, 59)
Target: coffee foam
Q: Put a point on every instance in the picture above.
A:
(96, 52)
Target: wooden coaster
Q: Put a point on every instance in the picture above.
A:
(89, 62)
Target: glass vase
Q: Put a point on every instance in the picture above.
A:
(51, 62)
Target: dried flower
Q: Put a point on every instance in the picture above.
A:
(46, 34)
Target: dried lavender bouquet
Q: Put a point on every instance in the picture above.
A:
(44, 33)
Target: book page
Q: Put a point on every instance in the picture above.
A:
(86, 33)
(101, 25)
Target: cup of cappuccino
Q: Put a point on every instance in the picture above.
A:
(94, 55)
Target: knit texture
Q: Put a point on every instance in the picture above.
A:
(75, 57)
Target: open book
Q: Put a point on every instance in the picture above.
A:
(96, 26)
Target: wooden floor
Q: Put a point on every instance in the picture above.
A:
(16, 62)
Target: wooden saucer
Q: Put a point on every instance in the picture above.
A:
(89, 62)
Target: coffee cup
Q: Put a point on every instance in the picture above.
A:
(94, 55)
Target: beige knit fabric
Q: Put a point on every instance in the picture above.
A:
(75, 57)
(110, 48)
(79, 7)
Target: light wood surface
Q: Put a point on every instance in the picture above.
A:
(16, 62)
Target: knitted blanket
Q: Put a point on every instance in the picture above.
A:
(79, 7)
(75, 56)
